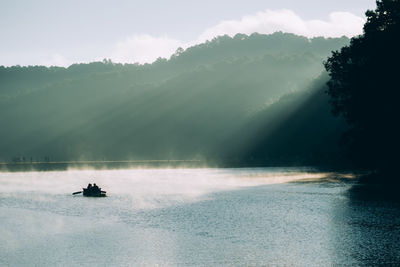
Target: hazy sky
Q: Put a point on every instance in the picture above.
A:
(50, 32)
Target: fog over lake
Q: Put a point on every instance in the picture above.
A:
(261, 134)
(193, 217)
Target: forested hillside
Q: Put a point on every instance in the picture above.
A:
(244, 98)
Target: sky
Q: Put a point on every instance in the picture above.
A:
(49, 32)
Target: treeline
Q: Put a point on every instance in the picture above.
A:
(257, 97)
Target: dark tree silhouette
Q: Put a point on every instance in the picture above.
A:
(364, 88)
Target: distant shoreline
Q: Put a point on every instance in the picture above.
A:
(148, 164)
(93, 164)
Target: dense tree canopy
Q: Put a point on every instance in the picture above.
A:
(364, 88)
(215, 100)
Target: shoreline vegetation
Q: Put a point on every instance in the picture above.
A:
(149, 164)
(362, 90)
(92, 164)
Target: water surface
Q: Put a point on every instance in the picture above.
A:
(192, 217)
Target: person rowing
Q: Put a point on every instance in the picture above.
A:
(91, 191)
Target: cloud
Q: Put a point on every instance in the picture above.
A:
(144, 48)
(270, 21)
(56, 60)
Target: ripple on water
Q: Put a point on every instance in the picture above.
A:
(199, 217)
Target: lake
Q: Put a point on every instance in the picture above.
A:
(193, 217)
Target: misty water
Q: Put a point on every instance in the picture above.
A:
(193, 217)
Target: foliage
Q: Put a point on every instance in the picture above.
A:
(184, 107)
(364, 88)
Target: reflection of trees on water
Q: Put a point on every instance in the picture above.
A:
(365, 229)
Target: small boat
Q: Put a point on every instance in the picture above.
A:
(92, 191)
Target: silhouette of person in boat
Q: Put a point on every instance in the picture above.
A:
(95, 188)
